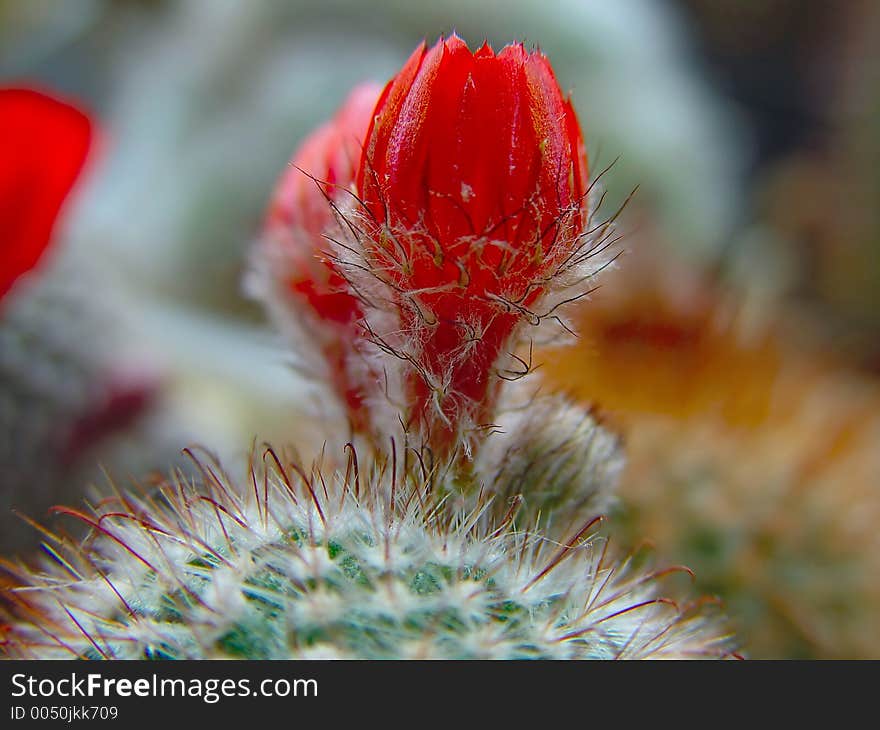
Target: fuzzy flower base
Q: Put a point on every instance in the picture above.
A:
(366, 559)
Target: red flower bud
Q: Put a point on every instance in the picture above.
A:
(43, 145)
(300, 216)
(472, 182)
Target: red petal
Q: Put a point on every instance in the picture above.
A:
(474, 144)
(43, 146)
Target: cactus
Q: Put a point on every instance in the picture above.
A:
(65, 389)
(360, 561)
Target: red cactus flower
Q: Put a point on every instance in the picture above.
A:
(321, 173)
(43, 146)
(473, 182)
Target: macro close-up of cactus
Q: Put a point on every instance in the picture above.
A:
(419, 245)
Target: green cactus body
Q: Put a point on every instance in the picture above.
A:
(350, 562)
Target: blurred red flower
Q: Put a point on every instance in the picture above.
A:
(43, 146)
